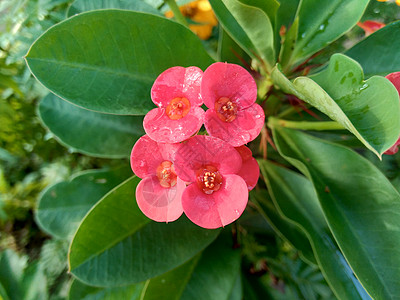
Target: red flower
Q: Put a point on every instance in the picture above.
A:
(250, 170)
(230, 92)
(176, 92)
(395, 80)
(216, 196)
(370, 26)
(159, 194)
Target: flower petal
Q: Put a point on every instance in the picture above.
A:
(158, 203)
(228, 80)
(250, 172)
(204, 150)
(245, 152)
(145, 157)
(394, 149)
(394, 78)
(162, 129)
(245, 128)
(177, 82)
(218, 209)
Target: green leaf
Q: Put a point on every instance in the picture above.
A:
(254, 35)
(34, 283)
(229, 50)
(89, 132)
(117, 245)
(79, 6)
(289, 43)
(361, 207)
(322, 22)
(378, 53)
(296, 199)
(78, 290)
(270, 7)
(62, 206)
(209, 275)
(12, 268)
(284, 17)
(216, 272)
(107, 60)
(237, 291)
(285, 229)
(368, 109)
(3, 293)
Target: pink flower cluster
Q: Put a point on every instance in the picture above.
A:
(205, 176)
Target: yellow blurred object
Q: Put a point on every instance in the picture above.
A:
(397, 1)
(199, 11)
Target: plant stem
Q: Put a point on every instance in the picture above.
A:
(287, 112)
(304, 125)
(177, 13)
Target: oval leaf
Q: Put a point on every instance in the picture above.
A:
(62, 206)
(322, 22)
(209, 275)
(254, 35)
(284, 228)
(229, 51)
(368, 109)
(378, 54)
(107, 60)
(79, 6)
(89, 132)
(361, 207)
(116, 244)
(296, 199)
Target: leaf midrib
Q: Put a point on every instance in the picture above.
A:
(142, 77)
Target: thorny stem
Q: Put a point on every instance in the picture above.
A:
(177, 13)
(303, 125)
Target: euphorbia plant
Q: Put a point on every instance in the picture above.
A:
(291, 104)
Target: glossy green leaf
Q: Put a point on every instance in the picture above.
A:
(89, 132)
(107, 60)
(209, 275)
(289, 43)
(296, 199)
(285, 229)
(254, 35)
(79, 6)
(215, 273)
(117, 245)
(285, 17)
(361, 207)
(229, 50)
(322, 22)
(78, 290)
(369, 109)
(62, 206)
(270, 7)
(378, 53)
